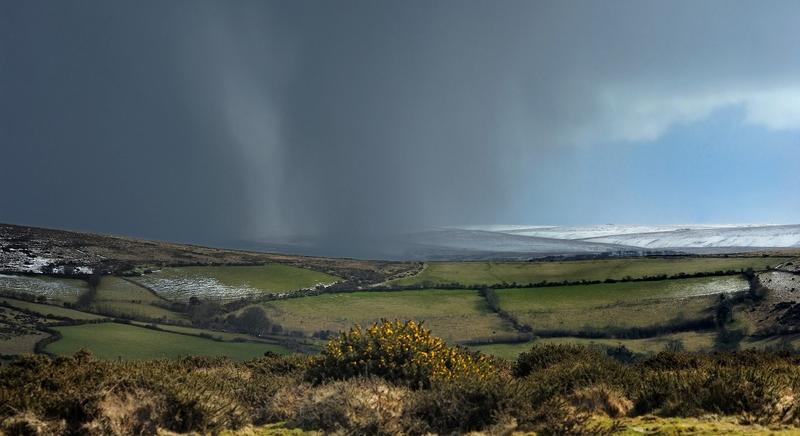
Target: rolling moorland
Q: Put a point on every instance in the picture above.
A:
(593, 328)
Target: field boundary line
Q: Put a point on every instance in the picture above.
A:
(147, 288)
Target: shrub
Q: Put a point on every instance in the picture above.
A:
(557, 417)
(81, 394)
(756, 385)
(397, 351)
(193, 403)
(728, 339)
(669, 361)
(466, 405)
(29, 424)
(131, 412)
(286, 401)
(564, 378)
(558, 390)
(541, 357)
(359, 406)
(601, 399)
(63, 389)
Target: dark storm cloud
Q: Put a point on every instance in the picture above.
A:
(343, 120)
(102, 131)
(388, 130)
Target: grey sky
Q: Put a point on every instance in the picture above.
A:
(195, 120)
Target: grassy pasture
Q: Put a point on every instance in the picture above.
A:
(707, 425)
(623, 305)
(129, 342)
(477, 273)
(46, 310)
(118, 289)
(18, 331)
(772, 342)
(129, 310)
(225, 336)
(120, 298)
(230, 282)
(692, 341)
(452, 314)
(20, 344)
(59, 289)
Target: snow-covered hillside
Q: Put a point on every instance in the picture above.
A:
(531, 242)
(498, 241)
(663, 236)
(750, 236)
(593, 231)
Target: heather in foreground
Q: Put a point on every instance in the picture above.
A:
(395, 378)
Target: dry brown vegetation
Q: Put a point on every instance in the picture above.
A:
(550, 390)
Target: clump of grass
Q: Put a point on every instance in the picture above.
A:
(601, 400)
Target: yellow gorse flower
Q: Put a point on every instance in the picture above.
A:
(400, 351)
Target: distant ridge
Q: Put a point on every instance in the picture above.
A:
(778, 236)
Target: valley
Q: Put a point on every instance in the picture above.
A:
(228, 302)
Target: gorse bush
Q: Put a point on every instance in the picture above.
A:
(402, 352)
(761, 390)
(544, 356)
(465, 405)
(85, 395)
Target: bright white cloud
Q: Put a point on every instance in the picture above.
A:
(777, 109)
(629, 114)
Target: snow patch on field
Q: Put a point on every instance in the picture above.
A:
(29, 264)
(714, 287)
(76, 270)
(183, 288)
(50, 288)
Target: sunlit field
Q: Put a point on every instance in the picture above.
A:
(491, 273)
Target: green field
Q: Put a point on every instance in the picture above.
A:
(46, 309)
(773, 342)
(452, 314)
(231, 282)
(20, 344)
(706, 425)
(225, 336)
(112, 340)
(118, 289)
(123, 299)
(459, 315)
(58, 289)
(623, 305)
(692, 341)
(489, 273)
(123, 309)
